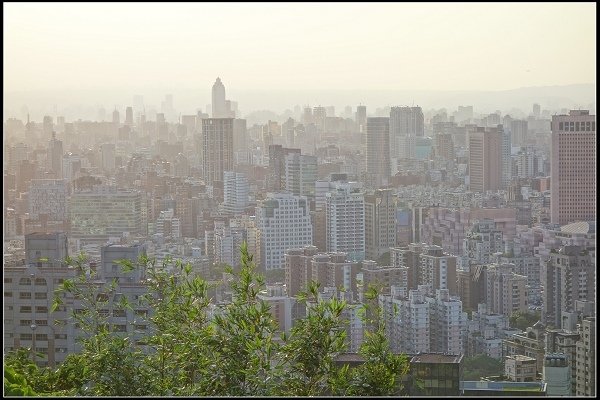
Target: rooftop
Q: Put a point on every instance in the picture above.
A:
(433, 358)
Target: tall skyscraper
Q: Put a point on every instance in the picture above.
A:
(219, 106)
(377, 151)
(404, 122)
(380, 223)
(217, 135)
(361, 118)
(48, 126)
(573, 168)
(55, 155)
(485, 159)
(518, 130)
(129, 116)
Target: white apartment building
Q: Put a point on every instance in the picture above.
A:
(284, 222)
(345, 221)
(235, 190)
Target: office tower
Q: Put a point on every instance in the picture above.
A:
(103, 212)
(405, 122)
(485, 159)
(284, 222)
(276, 177)
(570, 275)
(219, 107)
(345, 221)
(506, 159)
(217, 135)
(129, 116)
(377, 151)
(47, 125)
(300, 174)
(586, 359)
(116, 119)
(505, 291)
(235, 190)
(240, 135)
(573, 167)
(28, 297)
(361, 118)
(380, 223)
(55, 154)
(518, 130)
(444, 146)
(319, 114)
(108, 157)
(437, 269)
(48, 197)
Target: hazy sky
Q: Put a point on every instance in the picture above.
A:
(308, 46)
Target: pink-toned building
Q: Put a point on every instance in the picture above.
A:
(447, 227)
(573, 167)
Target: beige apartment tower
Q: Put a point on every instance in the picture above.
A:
(485, 159)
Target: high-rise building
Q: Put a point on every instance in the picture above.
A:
(377, 151)
(570, 275)
(217, 135)
(277, 156)
(404, 122)
(444, 146)
(361, 118)
(380, 223)
(219, 103)
(48, 125)
(586, 359)
(505, 291)
(300, 174)
(108, 157)
(345, 220)
(485, 159)
(240, 135)
(55, 155)
(438, 269)
(518, 130)
(482, 242)
(298, 269)
(284, 222)
(235, 190)
(447, 323)
(129, 116)
(116, 119)
(506, 159)
(573, 167)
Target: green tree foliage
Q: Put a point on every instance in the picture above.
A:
(523, 320)
(481, 365)
(195, 348)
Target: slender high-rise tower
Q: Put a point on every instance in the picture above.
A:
(377, 154)
(219, 104)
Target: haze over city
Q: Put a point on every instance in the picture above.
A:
(299, 199)
(273, 56)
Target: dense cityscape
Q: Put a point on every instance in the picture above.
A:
(477, 229)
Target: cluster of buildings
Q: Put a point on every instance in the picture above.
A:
(460, 221)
